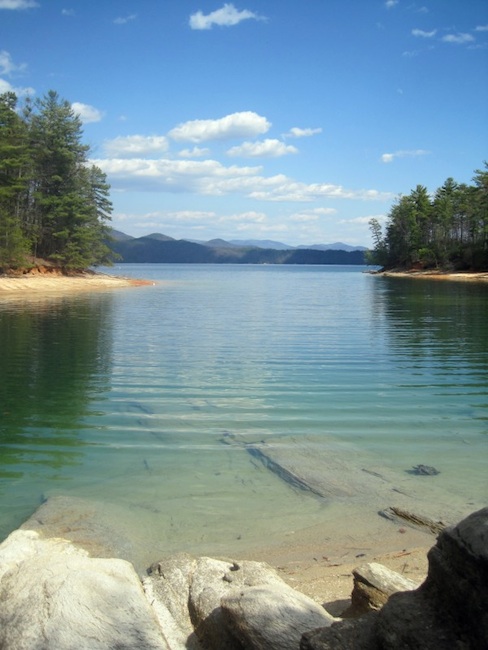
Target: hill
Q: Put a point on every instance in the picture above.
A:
(158, 248)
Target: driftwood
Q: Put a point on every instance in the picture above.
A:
(411, 519)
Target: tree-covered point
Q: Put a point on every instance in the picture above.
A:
(54, 205)
(446, 231)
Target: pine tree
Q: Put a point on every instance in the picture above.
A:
(14, 165)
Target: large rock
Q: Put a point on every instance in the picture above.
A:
(450, 609)
(54, 597)
(272, 617)
(373, 586)
(187, 594)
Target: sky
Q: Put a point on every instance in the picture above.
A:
(291, 120)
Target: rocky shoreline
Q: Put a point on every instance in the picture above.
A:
(55, 595)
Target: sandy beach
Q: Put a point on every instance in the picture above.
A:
(437, 275)
(38, 284)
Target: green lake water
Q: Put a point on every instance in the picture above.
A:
(124, 397)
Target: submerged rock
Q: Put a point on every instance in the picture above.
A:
(424, 470)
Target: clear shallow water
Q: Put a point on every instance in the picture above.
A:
(124, 396)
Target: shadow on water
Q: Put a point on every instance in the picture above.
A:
(54, 357)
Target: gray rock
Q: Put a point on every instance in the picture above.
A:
(272, 617)
(190, 591)
(373, 585)
(449, 610)
(55, 597)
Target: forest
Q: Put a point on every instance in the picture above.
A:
(54, 204)
(447, 230)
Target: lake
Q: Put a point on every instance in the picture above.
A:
(128, 398)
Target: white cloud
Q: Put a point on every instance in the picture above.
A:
(422, 34)
(18, 4)
(123, 20)
(67, 12)
(194, 220)
(389, 4)
(365, 220)
(86, 112)
(196, 152)
(227, 16)
(305, 216)
(135, 146)
(7, 66)
(6, 87)
(458, 39)
(236, 125)
(481, 28)
(296, 132)
(269, 148)
(211, 178)
(390, 157)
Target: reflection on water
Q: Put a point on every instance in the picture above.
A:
(54, 356)
(125, 398)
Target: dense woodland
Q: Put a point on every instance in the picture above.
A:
(54, 205)
(448, 230)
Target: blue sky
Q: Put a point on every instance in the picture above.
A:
(290, 120)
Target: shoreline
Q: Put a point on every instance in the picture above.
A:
(458, 276)
(324, 571)
(49, 283)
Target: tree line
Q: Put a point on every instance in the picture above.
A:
(448, 230)
(54, 204)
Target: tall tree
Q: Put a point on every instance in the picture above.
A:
(14, 165)
(450, 231)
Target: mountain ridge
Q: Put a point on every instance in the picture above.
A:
(158, 248)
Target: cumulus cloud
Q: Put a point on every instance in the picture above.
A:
(458, 39)
(235, 125)
(365, 220)
(211, 178)
(268, 148)
(422, 34)
(123, 20)
(18, 4)
(305, 216)
(6, 87)
(227, 16)
(196, 152)
(390, 157)
(86, 112)
(296, 132)
(135, 146)
(7, 66)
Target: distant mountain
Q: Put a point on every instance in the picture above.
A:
(246, 243)
(158, 248)
(337, 246)
(217, 243)
(261, 243)
(158, 236)
(119, 236)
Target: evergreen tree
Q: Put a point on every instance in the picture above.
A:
(14, 163)
(53, 204)
(450, 231)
